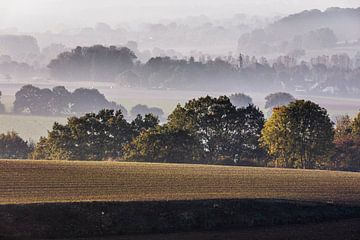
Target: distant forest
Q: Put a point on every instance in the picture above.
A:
(325, 75)
(58, 101)
(312, 53)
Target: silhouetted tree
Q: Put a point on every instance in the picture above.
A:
(278, 99)
(59, 101)
(33, 100)
(97, 63)
(144, 110)
(240, 100)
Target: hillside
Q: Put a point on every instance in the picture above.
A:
(308, 30)
(345, 22)
(55, 181)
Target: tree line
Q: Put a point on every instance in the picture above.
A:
(209, 130)
(59, 101)
(323, 75)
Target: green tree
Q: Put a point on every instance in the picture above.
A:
(299, 135)
(14, 147)
(227, 134)
(164, 144)
(91, 137)
(147, 122)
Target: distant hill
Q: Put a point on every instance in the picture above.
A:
(345, 22)
(311, 29)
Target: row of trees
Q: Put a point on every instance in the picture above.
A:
(61, 102)
(212, 131)
(334, 75)
(209, 131)
(206, 130)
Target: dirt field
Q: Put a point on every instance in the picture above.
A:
(56, 181)
(68, 200)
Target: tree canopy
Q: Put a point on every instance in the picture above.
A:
(164, 144)
(226, 133)
(59, 101)
(298, 135)
(91, 137)
(96, 63)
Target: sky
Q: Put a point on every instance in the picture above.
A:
(42, 15)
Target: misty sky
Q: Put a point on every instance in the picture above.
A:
(41, 15)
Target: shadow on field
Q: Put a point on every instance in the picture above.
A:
(102, 219)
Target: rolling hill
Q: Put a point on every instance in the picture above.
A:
(55, 181)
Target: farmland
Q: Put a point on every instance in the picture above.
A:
(55, 181)
(62, 199)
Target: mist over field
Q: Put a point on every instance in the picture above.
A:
(160, 53)
(130, 118)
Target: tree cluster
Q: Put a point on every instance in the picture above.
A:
(92, 63)
(209, 130)
(59, 101)
(100, 136)
(324, 75)
(205, 130)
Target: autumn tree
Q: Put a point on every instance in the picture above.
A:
(299, 135)
(347, 144)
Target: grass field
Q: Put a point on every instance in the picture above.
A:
(56, 181)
